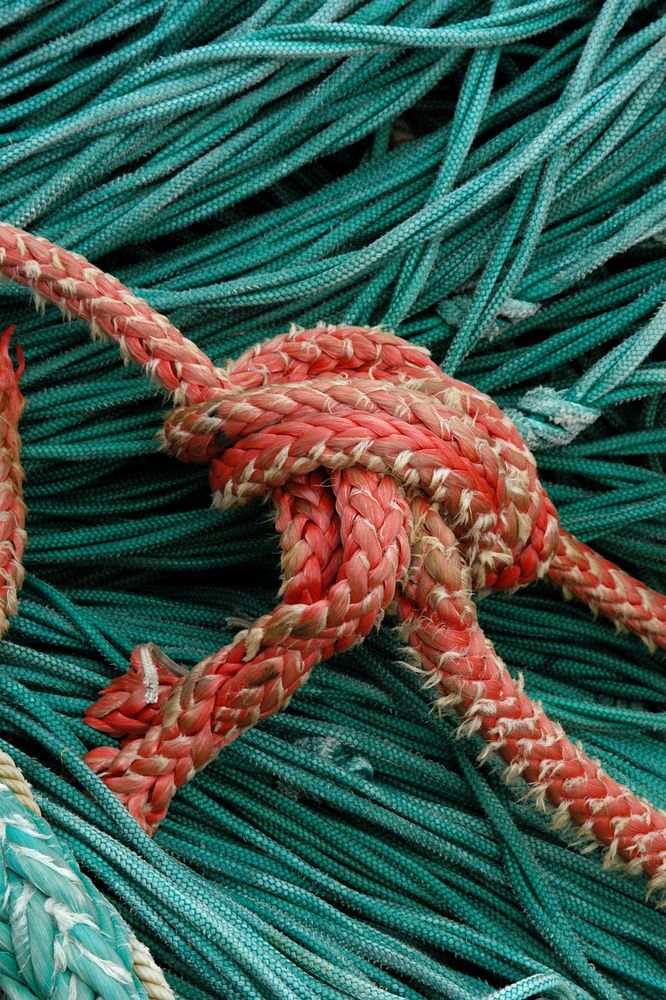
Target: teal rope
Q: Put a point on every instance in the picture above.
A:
(237, 165)
(59, 937)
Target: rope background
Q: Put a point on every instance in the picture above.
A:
(459, 170)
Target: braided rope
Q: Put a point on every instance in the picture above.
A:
(13, 778)
(59, 937)
(390, 480)
(83, 291)
(12, 508)
(583, 573)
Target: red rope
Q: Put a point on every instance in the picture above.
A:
(393, 485)
(12, 508)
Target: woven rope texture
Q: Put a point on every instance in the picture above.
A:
(486, 179)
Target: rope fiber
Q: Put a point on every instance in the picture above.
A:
(487, 180)
(58, 934)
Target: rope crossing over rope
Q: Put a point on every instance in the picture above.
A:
(395, 486)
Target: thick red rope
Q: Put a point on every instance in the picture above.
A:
(394, 485)
(12, 508)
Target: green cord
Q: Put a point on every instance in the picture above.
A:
(239, 165)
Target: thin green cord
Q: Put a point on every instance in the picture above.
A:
(238, 166)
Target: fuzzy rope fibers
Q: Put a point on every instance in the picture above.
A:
(487, 180)
(433, 495)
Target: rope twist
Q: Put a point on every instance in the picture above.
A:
(395, 486)
(59, 937)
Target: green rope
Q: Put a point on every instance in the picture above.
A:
(59, 937)
(488, 176)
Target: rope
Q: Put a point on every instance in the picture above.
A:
(469, 514)
(12, 507)
(59, 937)
(111, 310)
(16, 783)
(341, 849)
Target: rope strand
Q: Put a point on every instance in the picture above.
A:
(51, 908)
(432, 495)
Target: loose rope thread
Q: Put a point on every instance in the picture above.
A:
(394, 485)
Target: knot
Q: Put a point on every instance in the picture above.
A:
(396, 488)
(342, 398)
(566, 417)
(455, 311)
(332, 751)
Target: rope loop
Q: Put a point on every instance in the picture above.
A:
(395, 487)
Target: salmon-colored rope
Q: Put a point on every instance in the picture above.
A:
(393, 485)
(465, 671)
(83, 291)
(583, 573)
(12, 507)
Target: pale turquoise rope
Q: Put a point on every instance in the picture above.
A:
(59, 937)
(539, 987)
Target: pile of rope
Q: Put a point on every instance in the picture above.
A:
(485, 179)
(433, 495)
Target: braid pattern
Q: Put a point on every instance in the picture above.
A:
(12, 507)
(83, 291)
(395, 486)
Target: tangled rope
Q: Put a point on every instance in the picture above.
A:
(393, 484)
(59, 937)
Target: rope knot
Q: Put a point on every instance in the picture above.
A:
(337, 398)
(394, 486)
(557, 419)
(397, 487)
